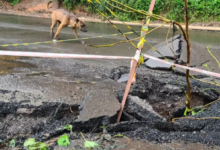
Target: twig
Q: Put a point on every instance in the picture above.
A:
(128, 140)
(188, 105)
(58, 109)
(71, 110)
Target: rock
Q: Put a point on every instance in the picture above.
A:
(98, 104)
(117, 72)
(176, 43)
(200, 56)
(141, 109)
(181, 71)
(123, 78)
(153, 64)
(25, 111)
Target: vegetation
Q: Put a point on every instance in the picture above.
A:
(199, 10)
(31, 144)
(13, 2)
(63, 141)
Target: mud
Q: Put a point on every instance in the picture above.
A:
(154, 95)
(165, 91)
(146, 115)
(150, 100)
(7, 64)
(44, 122)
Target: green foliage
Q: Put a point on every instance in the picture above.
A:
(63, 140)
(199, 10)
(69, 4)
(69, 127)
(13, 2)
(12, 143)
(89, 144)
(38, 146)
(31, 144)
(194, 111)
(29, 141)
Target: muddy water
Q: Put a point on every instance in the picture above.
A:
(7, 64)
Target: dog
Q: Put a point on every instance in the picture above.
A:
(62, 19)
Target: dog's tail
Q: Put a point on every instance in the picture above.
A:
(48, 5)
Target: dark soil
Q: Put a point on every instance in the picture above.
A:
(164, 93)
(146, 115)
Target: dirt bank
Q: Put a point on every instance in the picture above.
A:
(39, 9)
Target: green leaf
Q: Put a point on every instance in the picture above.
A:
(90, 144)
(205, 65)
(12, 143)
(68, 127)
(118, 135)
(32, 145)
(38, 146)
(185, 112)
(63, 140)
(193, 113)
(29, 141)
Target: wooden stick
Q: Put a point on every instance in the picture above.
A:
(188, 105)
(133, 68)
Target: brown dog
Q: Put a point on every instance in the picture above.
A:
(63, 19)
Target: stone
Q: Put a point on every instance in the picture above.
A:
(176, 43)
(123, 78)
(98, 104)
(141, 109)
(153, 64)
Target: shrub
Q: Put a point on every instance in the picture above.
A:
(13, 2)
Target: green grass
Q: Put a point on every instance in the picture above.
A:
(199, 10)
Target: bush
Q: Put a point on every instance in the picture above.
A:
(13, 2)
(199, 10)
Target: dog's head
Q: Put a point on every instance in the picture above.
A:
(80, 25)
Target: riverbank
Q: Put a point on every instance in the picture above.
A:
(39, 9)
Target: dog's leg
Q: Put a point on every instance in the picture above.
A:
(58, 31)
(58, 24)
(51, 28)
(75, 33)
